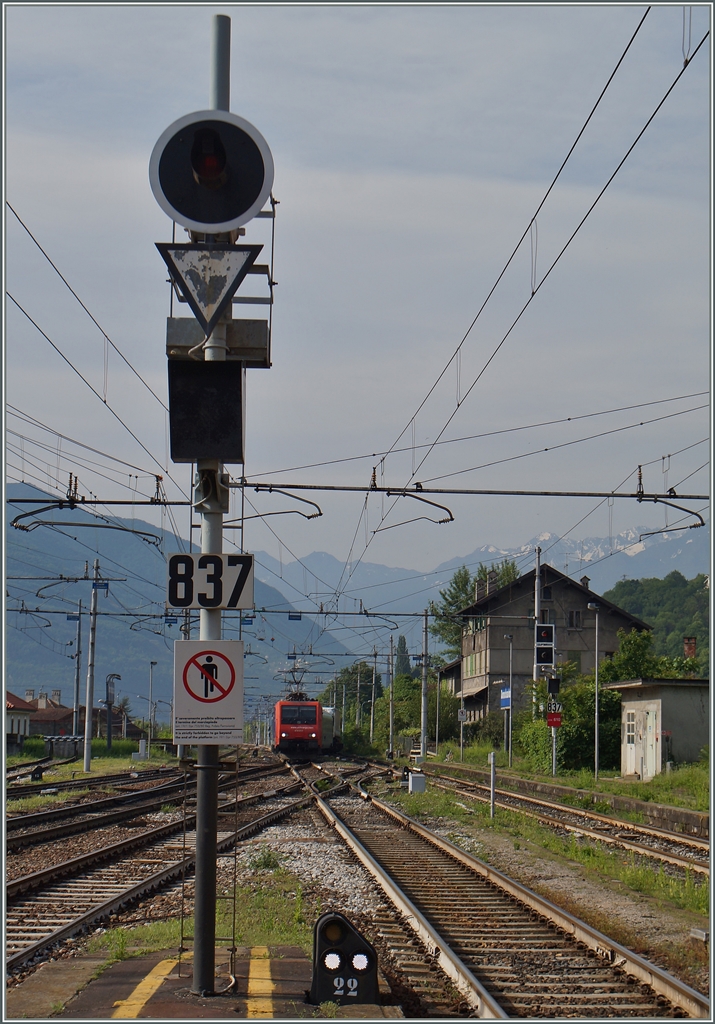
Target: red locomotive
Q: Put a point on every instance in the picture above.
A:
(304, 727)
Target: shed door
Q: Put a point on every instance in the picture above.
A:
(630, 742)
(651, 722)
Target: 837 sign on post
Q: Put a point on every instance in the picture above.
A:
(210, 581)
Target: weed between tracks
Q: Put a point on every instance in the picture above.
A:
(687, 892)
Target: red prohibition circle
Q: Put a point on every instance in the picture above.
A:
(195, 662)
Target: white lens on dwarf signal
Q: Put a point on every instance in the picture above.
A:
(360, 962)
(332, 960)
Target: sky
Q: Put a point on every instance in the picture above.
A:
(412, 147)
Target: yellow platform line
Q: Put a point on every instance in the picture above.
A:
(259, 1001)
(135, 1003)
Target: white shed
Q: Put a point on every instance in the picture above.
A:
(662, 720)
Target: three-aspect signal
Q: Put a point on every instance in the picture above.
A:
(211, 171)
(344, 963)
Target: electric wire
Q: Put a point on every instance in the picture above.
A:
(90, 315)
(94, 392)
(528, 227)
(563, 444)
(535, 292)
(474, 437)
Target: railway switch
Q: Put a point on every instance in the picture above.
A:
(344, 963)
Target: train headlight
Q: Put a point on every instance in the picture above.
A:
(312, 735)
(283, 735)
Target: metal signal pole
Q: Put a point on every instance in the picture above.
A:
(537, 616)
(423, 744)
(77, 669)
(372, 702)
(89, 698)
(208, 483)
(392, 697)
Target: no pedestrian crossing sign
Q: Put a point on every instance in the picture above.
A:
(208, 691)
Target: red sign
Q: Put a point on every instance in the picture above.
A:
(553, 718)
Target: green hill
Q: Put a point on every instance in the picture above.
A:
(674, 607)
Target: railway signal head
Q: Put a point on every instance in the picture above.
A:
(344, 963)
(545, 633)
(544, 655)
(211, 171)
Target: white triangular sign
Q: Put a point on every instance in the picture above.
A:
(208, 277)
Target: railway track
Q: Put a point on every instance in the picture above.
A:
(19, 791)
(508, 951)
(678, 850)
(27, 830)
(49, 906)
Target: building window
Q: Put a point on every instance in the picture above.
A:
(630, 726)
(546, 593)
(575, 658)
(575, 619)
(546, 615)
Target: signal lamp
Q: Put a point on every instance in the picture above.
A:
(544, 655)
(332, 961)
(208, 159)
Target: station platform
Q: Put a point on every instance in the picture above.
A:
(271, 982)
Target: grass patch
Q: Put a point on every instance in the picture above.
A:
(264, 859)
(271, 909)
(687, 891)
(28, 804)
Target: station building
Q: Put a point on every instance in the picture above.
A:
(501, 611)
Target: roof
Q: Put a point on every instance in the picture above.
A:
(451, 668)
(555, 577)
(637, 684)
(53, 714)
(13, 703)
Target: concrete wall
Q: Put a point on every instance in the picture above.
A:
(686, 715)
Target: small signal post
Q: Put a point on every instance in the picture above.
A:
(211, 172)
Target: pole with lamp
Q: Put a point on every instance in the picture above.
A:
(594, 607)
(170, 705)
(510, 638)
(109, 701)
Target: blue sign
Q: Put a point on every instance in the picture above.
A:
(506, 698)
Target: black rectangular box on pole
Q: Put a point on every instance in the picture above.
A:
(206, 418)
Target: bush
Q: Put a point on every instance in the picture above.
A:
(535, 742)
(33, 747)
(120, 748)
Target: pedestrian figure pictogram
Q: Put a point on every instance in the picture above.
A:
(209, 676)
(210, 672)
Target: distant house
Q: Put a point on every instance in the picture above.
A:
(52, 718)
(18, 718)
(502, 611)
(662, 720)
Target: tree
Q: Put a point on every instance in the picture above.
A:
(635, 660)
(447, 624)
(402, 658)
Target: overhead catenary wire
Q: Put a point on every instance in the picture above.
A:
(475, 437)
(531, 298)
(104, 334)
(93, 390)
